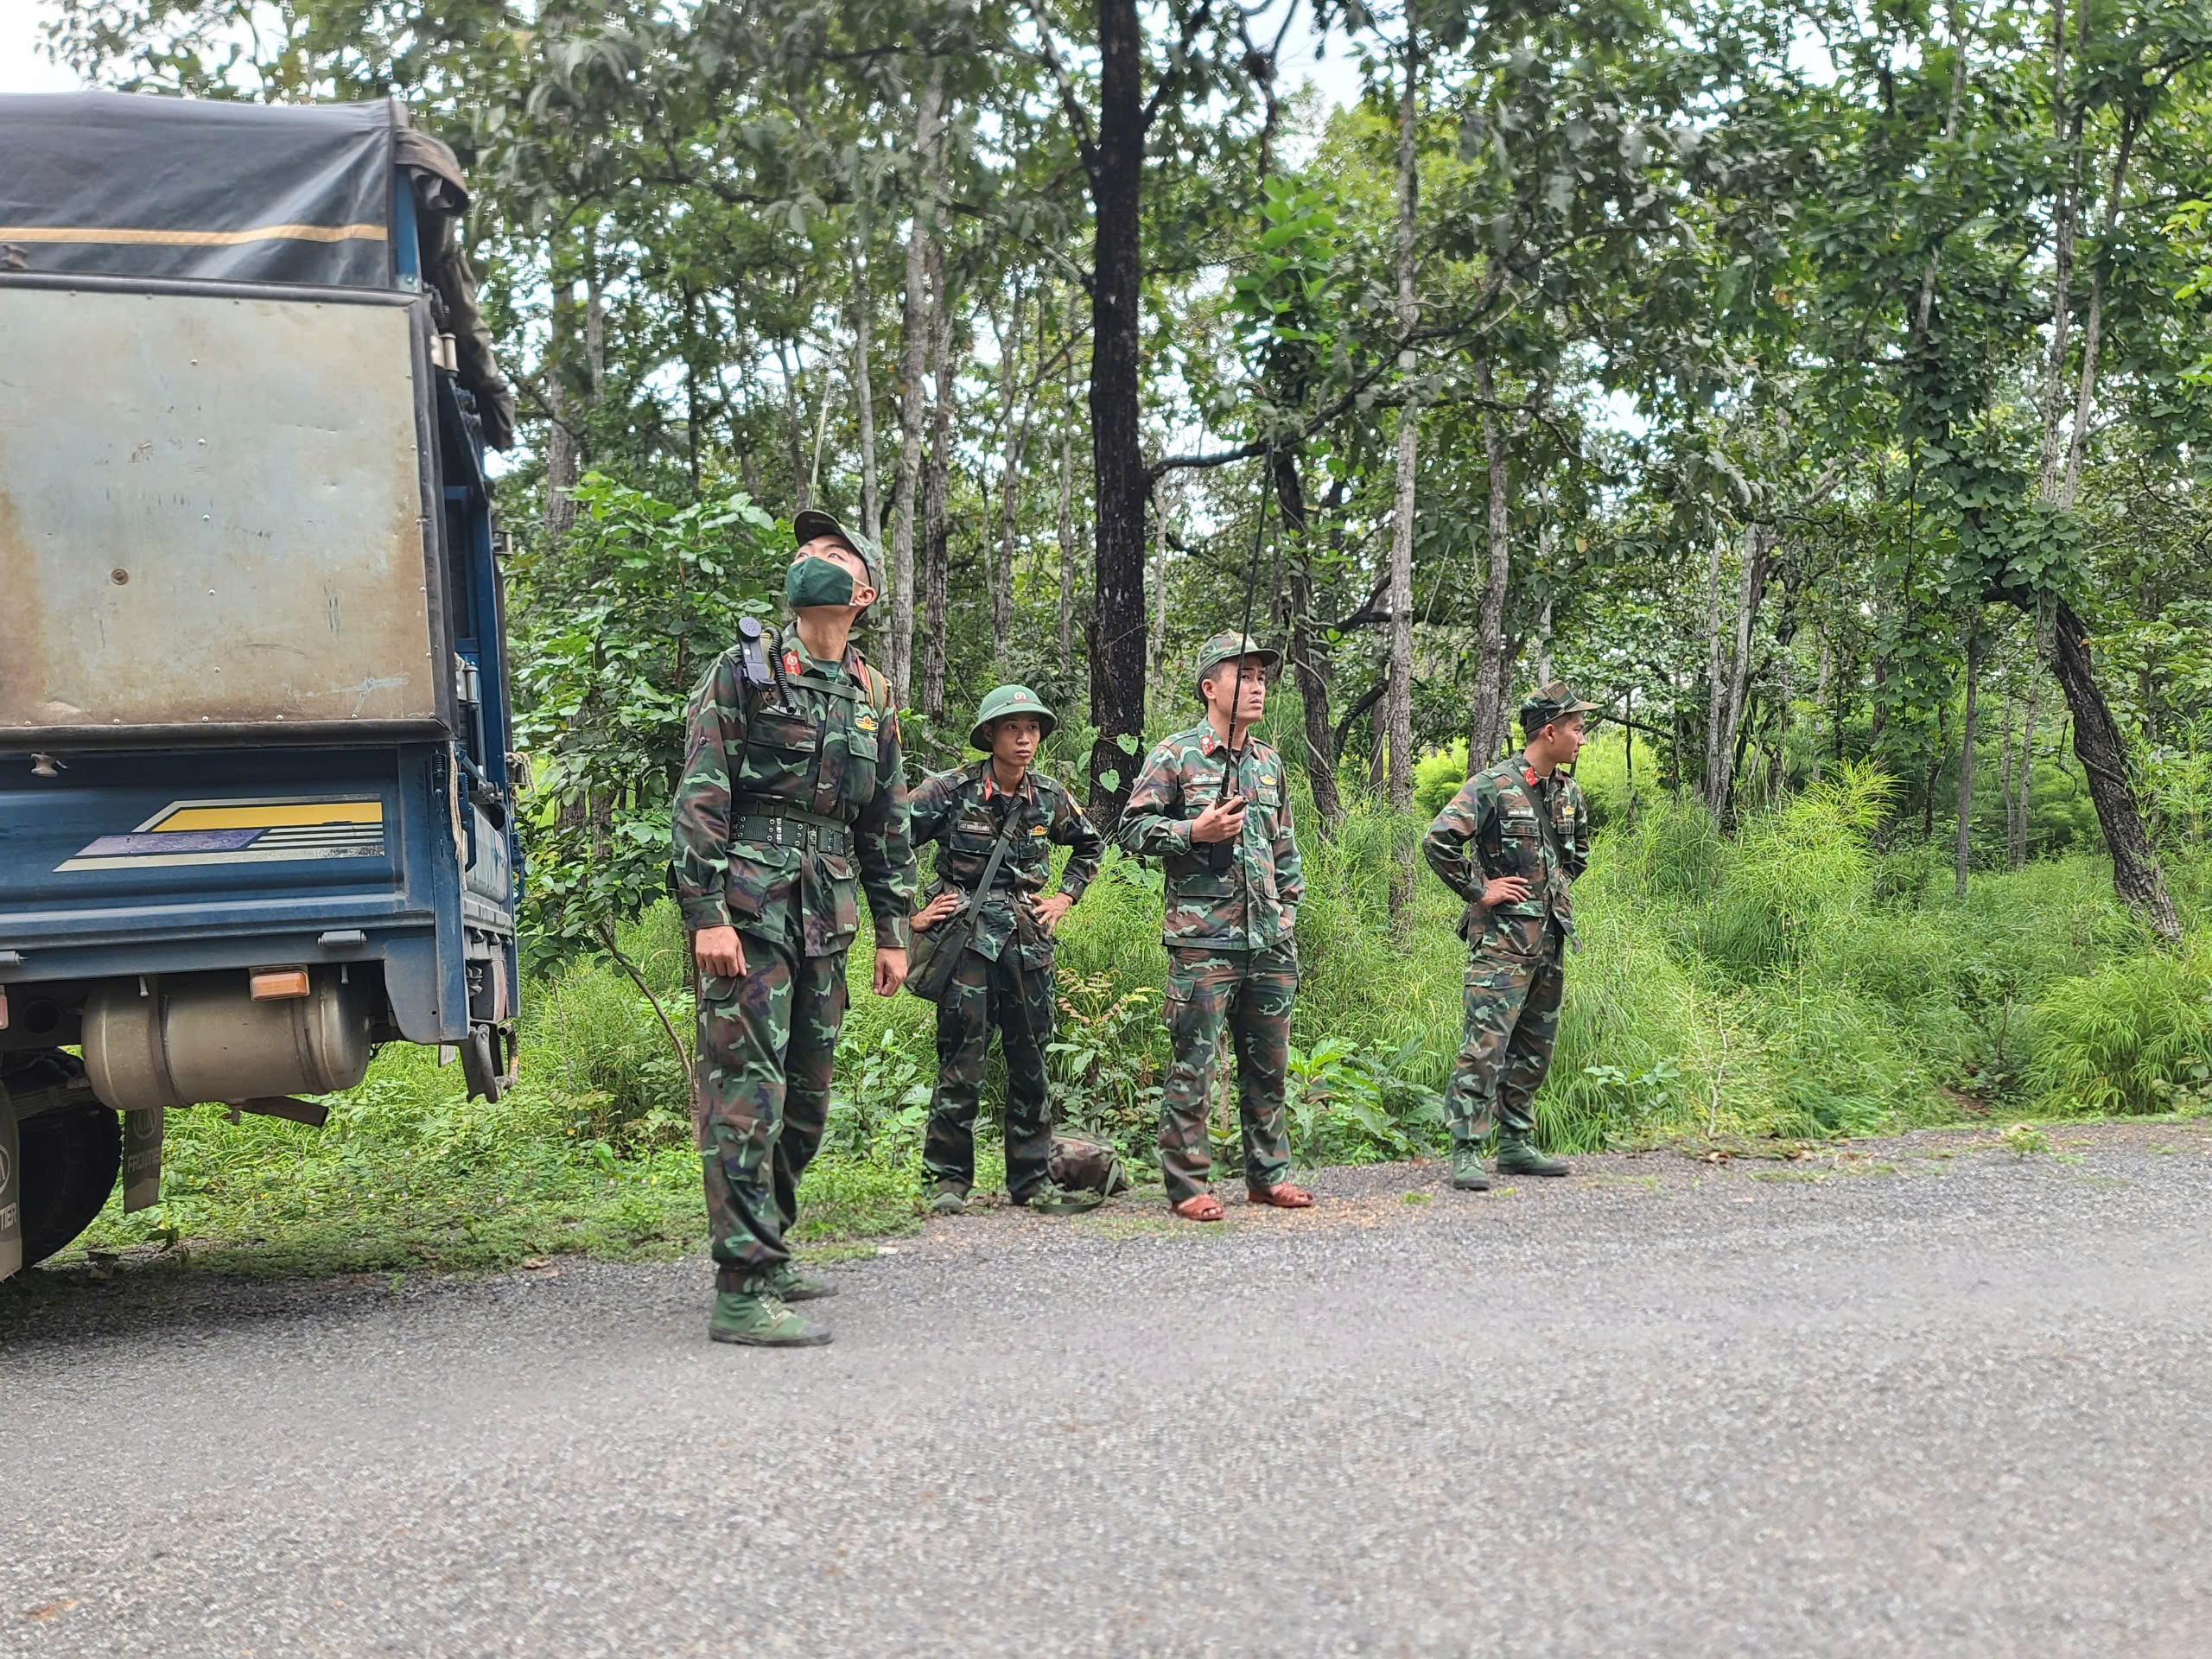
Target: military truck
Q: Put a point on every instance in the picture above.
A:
(256, 797)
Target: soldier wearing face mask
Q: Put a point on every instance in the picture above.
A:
(793, 797)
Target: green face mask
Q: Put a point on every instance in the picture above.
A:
(816, 581)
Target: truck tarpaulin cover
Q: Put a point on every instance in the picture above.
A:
(127, 186)
(124, 185)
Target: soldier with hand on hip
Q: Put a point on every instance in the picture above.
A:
(1213, 804)
(1512, 839)
(1004, 977)
(792, 795)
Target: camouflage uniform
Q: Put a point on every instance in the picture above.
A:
(1005, 976)
(1495, 826)
(1230, 958)
(793, 794)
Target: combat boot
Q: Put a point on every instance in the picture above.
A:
(786, 1283)
(951, 1199)
(1047, 1198)
(1468, 1174)
(1517, 1155)
(758, 1318)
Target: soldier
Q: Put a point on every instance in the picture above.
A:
(1005, 973)
(1508, 843)
(793, 787)
(1214, 804)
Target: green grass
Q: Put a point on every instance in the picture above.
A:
(1787, 983)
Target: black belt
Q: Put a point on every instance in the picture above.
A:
(807, 829)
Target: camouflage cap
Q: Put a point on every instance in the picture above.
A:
(811, 523)
(1227, 648)
(1554, 699)
(1009, 700)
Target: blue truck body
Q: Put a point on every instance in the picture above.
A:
(230, 889)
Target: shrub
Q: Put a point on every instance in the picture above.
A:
(2135, 1036)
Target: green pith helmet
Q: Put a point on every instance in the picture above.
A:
(813, 523)
(1010, 699)
(1227, 648)
(1554, 699)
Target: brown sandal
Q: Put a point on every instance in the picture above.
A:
(1202, 1206)
(1282, 1196)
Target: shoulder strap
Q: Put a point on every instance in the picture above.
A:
(1549, 828)
(997, 857)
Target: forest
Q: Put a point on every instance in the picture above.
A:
(1819, 387)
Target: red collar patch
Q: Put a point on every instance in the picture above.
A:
(1529, 772)
(790, 662)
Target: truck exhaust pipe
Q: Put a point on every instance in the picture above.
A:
(190, 1038)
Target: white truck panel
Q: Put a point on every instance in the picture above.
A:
(211, 511)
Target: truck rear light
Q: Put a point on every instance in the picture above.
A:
(271, 984)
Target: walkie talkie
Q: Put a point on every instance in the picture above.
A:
(1221, 855)
(755, 653)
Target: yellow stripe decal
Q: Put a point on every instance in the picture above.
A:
(246, 815)
(120, 236)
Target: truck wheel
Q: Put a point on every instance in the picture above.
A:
(71, 1156)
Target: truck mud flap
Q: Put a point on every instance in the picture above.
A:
(141, 1159)
(11, 1191)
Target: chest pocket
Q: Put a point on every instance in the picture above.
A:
(1521, 840)
(780, 756)
(856, 782)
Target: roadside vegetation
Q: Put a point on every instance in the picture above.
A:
(1792, 981)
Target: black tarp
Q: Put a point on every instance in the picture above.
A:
(129, 186)
(121, 184)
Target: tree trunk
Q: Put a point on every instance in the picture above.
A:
(1309, 658)
(1157, 633)
(2097, 745)
(1964, 849)
(794, 430)
(1119, 485)
(914, 351)
(2093, 324)
(1936, 754)
(935, 525)
(1398, 702)
(563, 448)
(2015, 827)
(2064, 216)
(864, 395)
(1726, 711)
(1066, 527)
(1486, 728)
(1017, 440)
(1715, 681)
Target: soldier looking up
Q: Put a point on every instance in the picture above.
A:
(1512, 839)
(1005, 973)
(793, 793)
(1213, 804)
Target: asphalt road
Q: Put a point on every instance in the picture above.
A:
(1934, 1400)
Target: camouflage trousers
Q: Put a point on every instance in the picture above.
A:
(1250, 992)
(1511, 1021)
(1016, 997)
(767, 1045)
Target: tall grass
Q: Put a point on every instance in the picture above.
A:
(1787, 981)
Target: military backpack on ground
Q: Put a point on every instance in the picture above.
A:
(1080, 1166)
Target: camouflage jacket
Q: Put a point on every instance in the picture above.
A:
(959, 810)
(1250, 905)
(1492, 829)
(792, 793)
